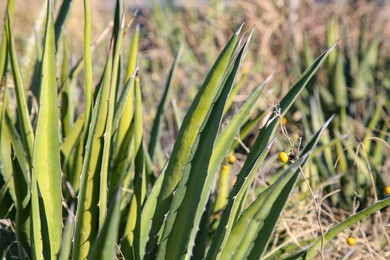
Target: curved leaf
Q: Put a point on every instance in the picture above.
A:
(188, 133)
(46, 158)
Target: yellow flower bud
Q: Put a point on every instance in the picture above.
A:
(231, 159)
(283, 157)
(351, 241)
(225, 167)
(387, 190)
(284, 121)
(245, 70)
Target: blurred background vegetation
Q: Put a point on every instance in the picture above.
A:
(351, 168)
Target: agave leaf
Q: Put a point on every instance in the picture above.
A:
(128, 112)
(255, 226)
(179, 221)
(243, 182)
(87, 66)
(234, 92)
(7, 191)
(108, 127)
(334, 231)
(66, 245)
(202, 236)
(61, 18)
(6, 180)
(23, 114)
(46, 158)
(156, 129)
(36, 236)
(122, 151)
(3, 49)
(87, 209)
(261, 216)
(148, 211)
(226, 138)
(317, 120)
(104, 246)
(32, 53)
(116, 175)
(72, 154)
(131, 246)
(139, 163)
(8, 247)
(188, 133)
(20, 188)
(338, 83)
(67, 106)
(260, 149)
(332, 35)
(120, 105)
(73, 137)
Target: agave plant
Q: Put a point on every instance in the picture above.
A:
(82, 184)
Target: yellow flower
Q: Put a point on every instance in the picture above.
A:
(284, 121)
(231, 159)
(283, 157)
(225, 168)
(387, 190)
(245, 70)
(351, 241)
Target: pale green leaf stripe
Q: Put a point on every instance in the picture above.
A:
(87, 208)
(23, 114)
(46, 157)
(192, 123)
(156, 129)
(105, 245)
(334, 231)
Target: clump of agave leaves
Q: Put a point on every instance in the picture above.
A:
(86, 187)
